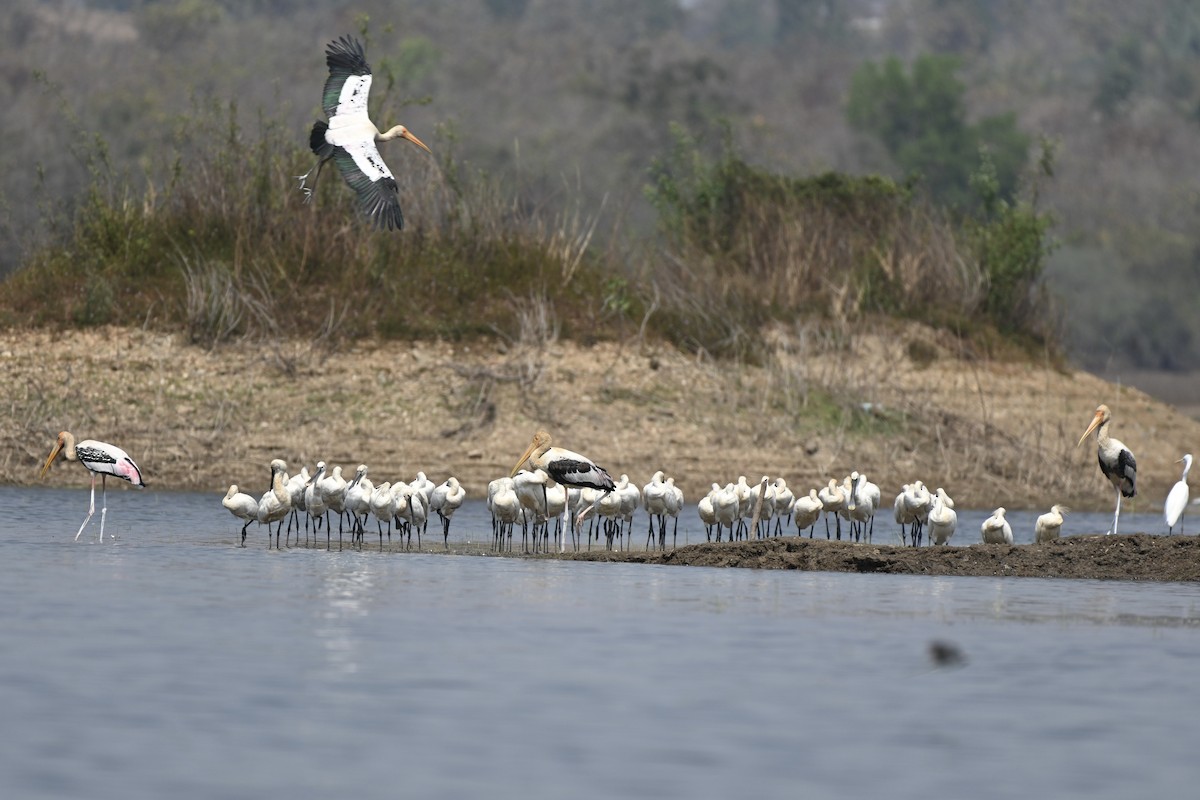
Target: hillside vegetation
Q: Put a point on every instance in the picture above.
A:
(550, 116)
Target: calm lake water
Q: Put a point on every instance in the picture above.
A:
(171, 663)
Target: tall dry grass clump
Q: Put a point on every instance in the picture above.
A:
(745, 246)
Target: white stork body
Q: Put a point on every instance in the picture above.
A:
(1049, 525)
(349, 138)
(995, 529)
(943, 520)
(242, 506)
(99, 458)
(565, 467)
(1177, 500)
(1116, 460)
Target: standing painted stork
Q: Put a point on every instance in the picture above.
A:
(1116, 461)
(1178, 498)
(349, 136)
(565, 467)
(100, 458)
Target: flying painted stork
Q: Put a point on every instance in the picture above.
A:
(1116, 461)
(564, 467)
(100, 458)
(349, 136)
(1178, 498)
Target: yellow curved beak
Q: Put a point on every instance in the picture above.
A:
(50, 458)
(1095, 424)
(409, 135)
(524, 457)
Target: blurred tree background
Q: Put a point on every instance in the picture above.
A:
(574, 101)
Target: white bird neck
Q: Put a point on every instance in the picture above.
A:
(391, 133)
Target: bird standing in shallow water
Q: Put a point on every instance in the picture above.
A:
(242, 506)
(100, 458)
(349, 137)
(1116, 460)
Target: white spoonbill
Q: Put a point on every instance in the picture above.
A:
(446, 499)
(674, 506)
(99, 458)
(995, 529)
(707, 514)
(349, 137)
(314, 502)
(654, 499)
(1116, 461)
(864, 500)
(506, 509)
(1178, 498)
(807, 510)
(333, 491)
(565, 467)
(242, 506)
(833, 500)
(1049, 525)
(382, 505)
(275, 503)
(357, 499)
(785, 499)
(943, 519)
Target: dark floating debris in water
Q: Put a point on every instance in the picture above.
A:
(946, 654)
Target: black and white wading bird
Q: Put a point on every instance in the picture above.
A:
(349, 136)
(566, 468)
(1116, 461)
(100, 458)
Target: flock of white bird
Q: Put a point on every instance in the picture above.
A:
(394, 504)
(532, 499)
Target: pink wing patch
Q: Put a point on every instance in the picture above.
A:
(128, 470)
